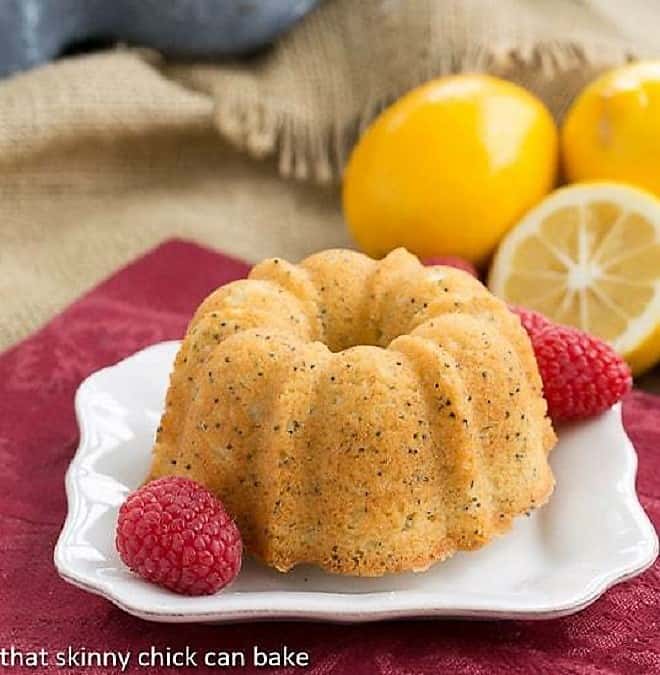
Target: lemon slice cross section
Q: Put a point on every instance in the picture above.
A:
(589, 256)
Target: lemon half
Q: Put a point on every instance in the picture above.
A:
(589, 256)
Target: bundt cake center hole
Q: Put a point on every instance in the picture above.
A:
(338, 345)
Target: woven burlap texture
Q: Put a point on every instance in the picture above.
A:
(104, 156)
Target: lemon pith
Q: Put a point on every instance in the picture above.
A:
(589, 256)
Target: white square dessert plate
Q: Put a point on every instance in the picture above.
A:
(591, 535)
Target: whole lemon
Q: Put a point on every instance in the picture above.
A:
(449, 168)
(612, 130)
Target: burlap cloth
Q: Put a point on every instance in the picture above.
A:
(105, 155)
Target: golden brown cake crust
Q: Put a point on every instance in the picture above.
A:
(364, 416)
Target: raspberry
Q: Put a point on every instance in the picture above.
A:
(582, 375)
(452, 261)
(175, 533)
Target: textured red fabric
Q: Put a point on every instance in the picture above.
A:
(151, 300)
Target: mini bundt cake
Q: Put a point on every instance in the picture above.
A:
(364, 416)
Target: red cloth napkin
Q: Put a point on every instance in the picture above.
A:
(151, 300)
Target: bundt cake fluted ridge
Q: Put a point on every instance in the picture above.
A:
(365, 416)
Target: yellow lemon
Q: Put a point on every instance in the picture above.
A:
(589, 256)
(612, 130)
(449, 168)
